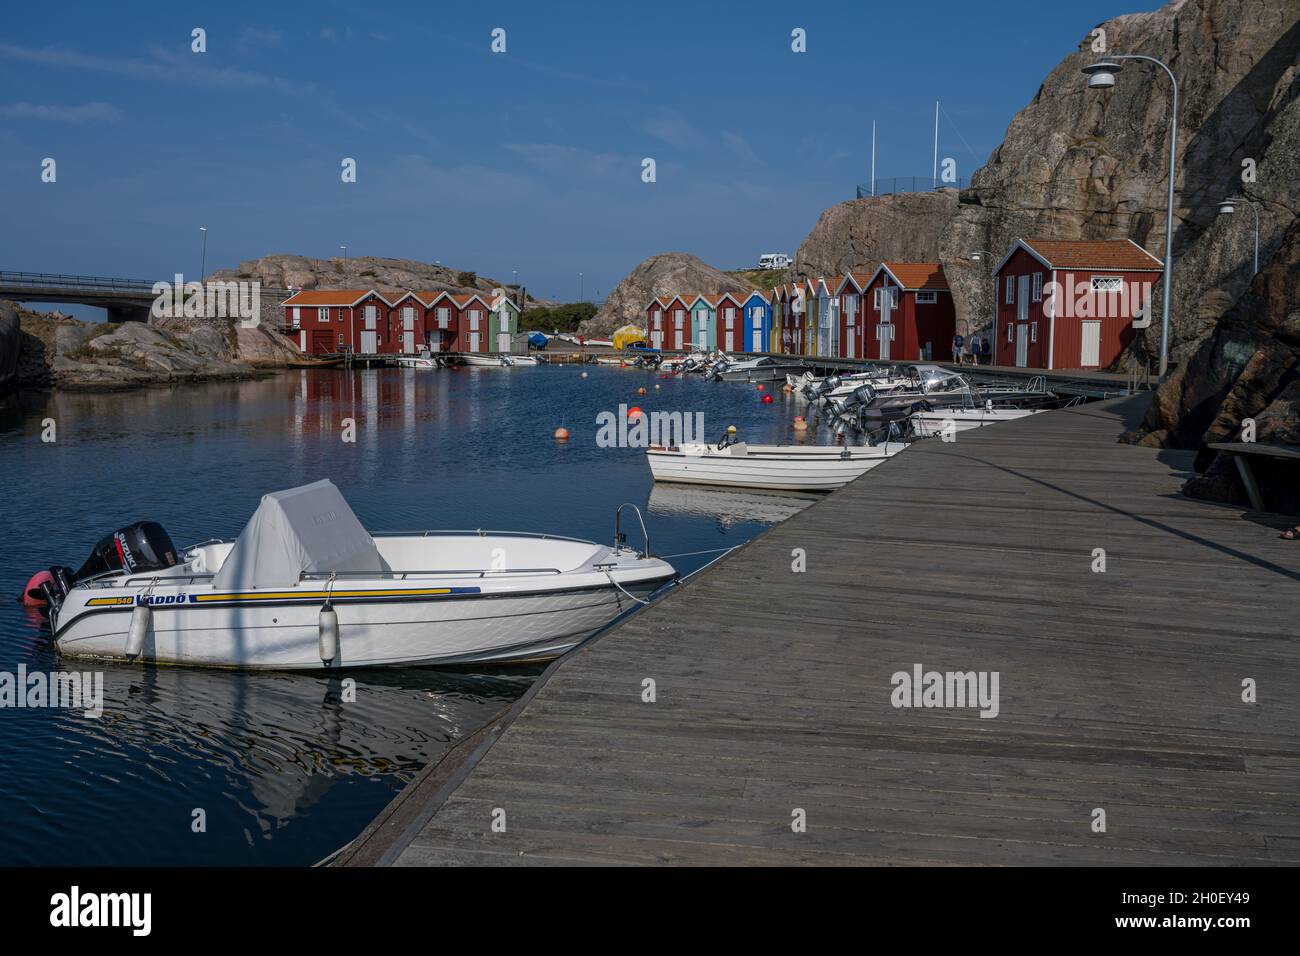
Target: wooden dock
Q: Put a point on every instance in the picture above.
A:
(1118, 690)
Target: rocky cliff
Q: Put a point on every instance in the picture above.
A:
(55, 351)
(665, 274)
(859, 234)
(1078, 163)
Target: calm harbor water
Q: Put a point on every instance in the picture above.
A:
(284, 770)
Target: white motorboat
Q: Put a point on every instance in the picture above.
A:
(931, 424)
(523, 360)
(772, 467)
(306, 586)
(420, 361)
(487, 360)
(762, 369)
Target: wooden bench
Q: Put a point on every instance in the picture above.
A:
(1241, 452)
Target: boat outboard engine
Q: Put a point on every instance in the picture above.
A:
(136, 549)
(828, 384)
(862, 395)
(728, 438)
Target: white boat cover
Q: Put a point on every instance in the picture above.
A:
(310, 528)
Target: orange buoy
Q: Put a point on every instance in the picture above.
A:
(767, 399)
(634, 412)
(641, 390)
(561, 434)
(761, 387)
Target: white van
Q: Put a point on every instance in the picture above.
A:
(774, 260)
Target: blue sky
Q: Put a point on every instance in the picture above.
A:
(528, 160)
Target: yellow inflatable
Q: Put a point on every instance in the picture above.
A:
(627, 335)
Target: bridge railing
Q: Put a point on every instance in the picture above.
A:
(51, 280)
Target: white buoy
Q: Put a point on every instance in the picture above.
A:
(141, 620)
(329, 634)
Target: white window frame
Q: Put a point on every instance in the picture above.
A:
(474, 315)
(1033, 333)
(1117, 280)
(729, 315)
(1036, 294)
(323, 313)
(1010, 326)
(444, 316)
(924, 297)
(659, 318)
(1010, 297)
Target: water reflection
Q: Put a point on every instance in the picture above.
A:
(285, 767)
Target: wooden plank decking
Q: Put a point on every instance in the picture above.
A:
(1118, 690)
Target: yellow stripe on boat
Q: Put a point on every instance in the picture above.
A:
(110, 601)
(322, 595)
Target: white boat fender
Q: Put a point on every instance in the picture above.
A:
(329, 634)
(141, 621)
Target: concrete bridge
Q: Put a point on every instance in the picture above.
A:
(126, 300)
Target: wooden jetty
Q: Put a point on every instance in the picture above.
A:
(1119, 690)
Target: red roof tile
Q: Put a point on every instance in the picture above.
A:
(1095, 254)
(918, 275)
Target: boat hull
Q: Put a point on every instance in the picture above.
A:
(493, 627)
(808, 470)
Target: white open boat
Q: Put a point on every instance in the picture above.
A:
(773, 467)
(484, 360)
(422, 361)
(931, 424)
(306, 586)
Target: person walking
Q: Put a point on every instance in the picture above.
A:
(974, 350)
(956, 348)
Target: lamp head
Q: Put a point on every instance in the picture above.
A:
(1227, 208)
(1101, 75)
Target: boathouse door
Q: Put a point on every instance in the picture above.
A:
(408, 329)
(1090, 354)
(886, 333)
(1022, 344)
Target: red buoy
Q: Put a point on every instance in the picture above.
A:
(634, 412)
(767, 399)
(39, 578)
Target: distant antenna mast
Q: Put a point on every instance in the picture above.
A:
(873, 157)
(934, 170)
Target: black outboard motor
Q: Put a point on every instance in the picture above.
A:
(828, 384)
(862, 395)
(136, 549)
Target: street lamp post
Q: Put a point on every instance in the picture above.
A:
(978, 256)
(203, 266)
(1228, 207)
(1101, 76)
(345, 253)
